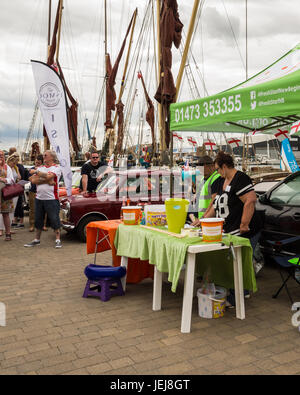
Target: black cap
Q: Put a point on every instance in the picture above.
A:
(204, 160)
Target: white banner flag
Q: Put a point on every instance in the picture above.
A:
(52, 102)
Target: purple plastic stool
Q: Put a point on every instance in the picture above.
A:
(104, 287)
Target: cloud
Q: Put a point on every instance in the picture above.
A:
(272, 31)
(217, 25)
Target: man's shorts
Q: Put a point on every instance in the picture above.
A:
(51, 207)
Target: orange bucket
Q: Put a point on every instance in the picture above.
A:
(212, 229)
(131, 215)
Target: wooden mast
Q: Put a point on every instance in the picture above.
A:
(49, 28)
(109, 133)
(245, 153)
(182, 64)
(126, 65)
(161, 129)
(59, 29)
(46, 140)
(123, 82)
(186, 47)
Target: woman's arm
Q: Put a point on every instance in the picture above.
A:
(18, 173)
(209, 213)
(9, 176)
(249, 200)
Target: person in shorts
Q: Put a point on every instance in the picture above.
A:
(46, 178)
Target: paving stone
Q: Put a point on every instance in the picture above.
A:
(246, 338)
(178, 368)
(121, 362)
(52, 330)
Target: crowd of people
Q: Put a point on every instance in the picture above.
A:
(11, 172)
(43, 195)
(43, 199)
(224, 192)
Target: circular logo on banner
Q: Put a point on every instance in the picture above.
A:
(50, 94)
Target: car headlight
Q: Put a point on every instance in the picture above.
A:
(68, 207)
(65, 211)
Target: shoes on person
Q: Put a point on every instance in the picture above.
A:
(230, 300)
(33, 243)
(229, 305)
(20, 225)
(14, 225)
(7, 237)
(58, 244)
(247, 294)
(45, 228)
(31, 229)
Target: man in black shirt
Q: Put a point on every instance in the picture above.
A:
(92, 173)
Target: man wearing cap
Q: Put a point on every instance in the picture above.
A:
(203, 192)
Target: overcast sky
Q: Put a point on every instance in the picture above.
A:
(219, 50)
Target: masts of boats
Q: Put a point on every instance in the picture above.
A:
(109, 138)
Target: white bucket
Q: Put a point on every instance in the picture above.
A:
(155, 215)
(212, 229)
(212, 306)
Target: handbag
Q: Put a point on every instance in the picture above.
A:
(12, 190)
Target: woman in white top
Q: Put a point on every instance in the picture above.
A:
(6, 206)
(12, 163)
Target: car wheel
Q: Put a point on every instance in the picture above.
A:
(81, 229)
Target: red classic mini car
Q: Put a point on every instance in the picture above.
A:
(139, 185)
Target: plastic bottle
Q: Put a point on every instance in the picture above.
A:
(143, 220)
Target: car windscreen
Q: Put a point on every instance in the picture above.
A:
(76, 177)
(287, 193)
(109, 184)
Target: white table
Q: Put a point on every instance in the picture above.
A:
(189, 281)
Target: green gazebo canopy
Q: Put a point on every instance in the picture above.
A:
(266, 102)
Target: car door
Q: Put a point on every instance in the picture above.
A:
(282, 211)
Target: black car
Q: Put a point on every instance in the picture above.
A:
(280, 208)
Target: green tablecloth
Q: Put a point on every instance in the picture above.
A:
(168, 254)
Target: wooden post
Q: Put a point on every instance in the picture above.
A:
(59, 29)
(161, 129)
(187, 45)
(46, 140)
(49, 29)
(126, 65)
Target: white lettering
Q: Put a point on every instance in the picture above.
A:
(296, 316)
(127, 385)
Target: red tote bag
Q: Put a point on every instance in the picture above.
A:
(11, 191)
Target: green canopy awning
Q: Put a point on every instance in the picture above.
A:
(268, 101)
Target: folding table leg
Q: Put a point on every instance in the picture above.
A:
(186, 317)
(157, 288)
(124, 262)
(238, 283)
(96, 245)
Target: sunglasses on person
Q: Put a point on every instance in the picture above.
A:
(95, 157)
